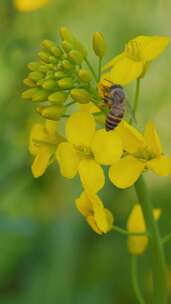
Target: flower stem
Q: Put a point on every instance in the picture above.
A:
(136, 100)
(135, 280)
(99, 68)
(166, 238)
(91, 69)
(126, 232)
(157, 250)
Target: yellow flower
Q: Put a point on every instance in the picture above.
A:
(136, 224)
(132, 62)
(42, 144)
(29, 5)
(99, 218)
(141, 153)
(86, 150)
(90, 107)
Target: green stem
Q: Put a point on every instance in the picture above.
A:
(136, 99)
(91, 69)
(166, 238)
(126, 232)
(157, 250)
(99, 68)
(135, 280)
(69, 104)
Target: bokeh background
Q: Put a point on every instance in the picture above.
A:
(48, 254)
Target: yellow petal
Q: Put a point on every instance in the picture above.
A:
(91, 221)
(84, 205)
(136, 224)
(80, 128)
(68, 160)
(51, 127)
(29, 5)
(42, 160)
(89, 107)
(131, 137)
(152, 139)
(126, 70)
(106, 147)
(161, 165)
(91, 175)
(113, 61)
(151, 46)
(125, 172)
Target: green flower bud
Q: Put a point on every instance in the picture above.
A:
(33, 66)
(44, 56)
(81, 48)
(40, 95)
(85, 75)
(60, 74)
(80, 95)
(58, 97)
(67, 65)
(50, 75)
(28, 94)
(56, 51)
(48, 44)
(44, 68)
(66, 35)
(65, 83)
(49, 84)
(51, 112)
(76, 56)
(40, 82)
(99, 44)
(36, 76)
(28, 82)
(67, 46)
(52, 59)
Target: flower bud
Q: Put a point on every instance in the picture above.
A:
(85, 75)
(33, 66)
(65, 83)
(44, 68)
(67, 65)
(56, 51)
(80, 95)
(99, 44)
(76, 56)
(28, 94)
(50, 75)
(48, 44)
(28, 82)
(36, 76)
(58, 97)
(53, 59)
(49, 84)
(60, 74)
(43, 56)
(51, 112)
(66, 46)
(40, 95)
(66, 35)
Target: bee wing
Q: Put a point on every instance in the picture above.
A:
(129, 112)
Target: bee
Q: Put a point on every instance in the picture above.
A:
(114, 97)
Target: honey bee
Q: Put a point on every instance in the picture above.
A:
(114, 97)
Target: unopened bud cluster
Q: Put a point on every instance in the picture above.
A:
(59, 74)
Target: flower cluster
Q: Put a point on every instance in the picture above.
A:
(63, 77)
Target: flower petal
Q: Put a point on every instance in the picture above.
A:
(113, 61)
(161, 165)
(68, 159)
(151, 46)
(29, 5)
(42, 160)
(91, 221)
(91, 175)
(106, 147)
(126, 70)
(132, 139)
(152, 139)
(84, 204)
(80, 128)
(125, 172)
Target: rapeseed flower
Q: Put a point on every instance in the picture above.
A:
(142, 152)
(133, 61)
(136, 224)
(98, 217)
(29, 5)
(42, 144)
(86, 150)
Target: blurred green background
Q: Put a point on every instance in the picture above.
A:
(48, 254)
